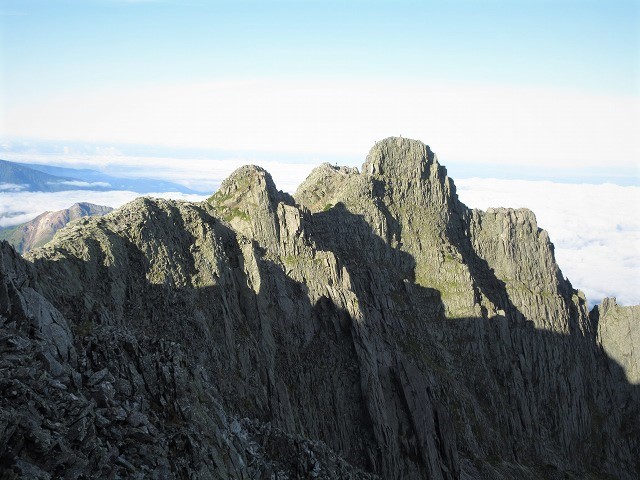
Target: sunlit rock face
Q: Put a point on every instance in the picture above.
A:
(619, 335)
(370, 326)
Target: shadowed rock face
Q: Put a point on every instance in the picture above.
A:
(372, 326)
(41, 229)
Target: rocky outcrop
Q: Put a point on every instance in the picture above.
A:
(619, 334)
(41, 229)
(369, 326)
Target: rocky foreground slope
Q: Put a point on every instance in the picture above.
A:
(370, 326)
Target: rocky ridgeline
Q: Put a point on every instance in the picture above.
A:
(370, 326)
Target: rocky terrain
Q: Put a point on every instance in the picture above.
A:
(370, 326)
(41, 229)
(619, 335)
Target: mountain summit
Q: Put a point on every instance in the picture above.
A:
(369, 326)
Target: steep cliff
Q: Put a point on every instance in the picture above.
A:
(369, 326)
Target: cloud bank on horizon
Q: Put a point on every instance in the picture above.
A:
(472, 123)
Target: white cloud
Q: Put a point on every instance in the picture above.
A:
(80, 183)
(595, 229)
(470, 123)
(11, 187)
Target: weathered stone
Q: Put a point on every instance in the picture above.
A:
(370, 327)
(618, 330)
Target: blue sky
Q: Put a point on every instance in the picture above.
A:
(238, 75)
(52, 46)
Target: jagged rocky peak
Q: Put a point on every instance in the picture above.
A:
(397, 157)
(408, 164)
(323, 184)
(247, 189)
(397, 171)
(247, 183)
(250, 202)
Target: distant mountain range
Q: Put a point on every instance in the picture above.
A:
(25, 177)
(41, 229)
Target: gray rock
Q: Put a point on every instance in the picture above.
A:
(371, 326)
(618, 330)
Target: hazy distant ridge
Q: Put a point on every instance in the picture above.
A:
(140, 185)
(46, 178)
(16, 177)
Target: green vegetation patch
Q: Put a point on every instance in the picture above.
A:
(219, 197)
(7, 232)
(230, 213)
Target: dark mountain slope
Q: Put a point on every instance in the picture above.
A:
(372, 326)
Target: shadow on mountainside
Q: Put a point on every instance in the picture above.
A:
(522, 392)
(251, 347)
(400, 391)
